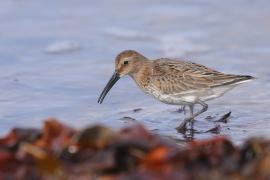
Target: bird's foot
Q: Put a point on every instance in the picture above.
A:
(184, 109)
(191, 124)
(182, 128)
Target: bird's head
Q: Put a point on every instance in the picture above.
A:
(126, 63)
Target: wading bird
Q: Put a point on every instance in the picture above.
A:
(174, 82)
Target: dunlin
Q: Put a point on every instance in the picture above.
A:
(174, 82)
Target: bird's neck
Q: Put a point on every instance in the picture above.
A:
(142, 75)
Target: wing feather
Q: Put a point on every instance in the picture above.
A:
(171, 76)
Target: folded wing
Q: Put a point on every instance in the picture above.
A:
(172, 77)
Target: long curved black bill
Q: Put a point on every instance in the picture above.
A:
(115, 77)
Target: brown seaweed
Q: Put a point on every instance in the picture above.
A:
(97, 152)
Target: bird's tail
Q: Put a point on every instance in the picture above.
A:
(245, 78)
(239, 79)
(235, 80)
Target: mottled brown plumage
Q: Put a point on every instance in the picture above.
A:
(174, 81)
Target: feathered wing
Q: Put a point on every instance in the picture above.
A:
(172, 77)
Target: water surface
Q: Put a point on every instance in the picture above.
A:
(230, 36)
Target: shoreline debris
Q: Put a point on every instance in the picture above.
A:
(60, 152)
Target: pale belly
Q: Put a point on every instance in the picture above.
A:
(188, 97)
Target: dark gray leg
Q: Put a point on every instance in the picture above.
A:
(183, 109)
(182, 126)
(191, 109)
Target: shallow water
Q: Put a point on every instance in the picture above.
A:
(36, 83)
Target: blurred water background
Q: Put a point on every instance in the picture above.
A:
(57, 56)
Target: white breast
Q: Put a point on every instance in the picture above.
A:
(168, 98)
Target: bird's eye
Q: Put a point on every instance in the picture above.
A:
(125, 62)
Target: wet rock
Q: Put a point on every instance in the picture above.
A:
(215, 130)
(224, 118)
(127, 119)
(137, 110)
